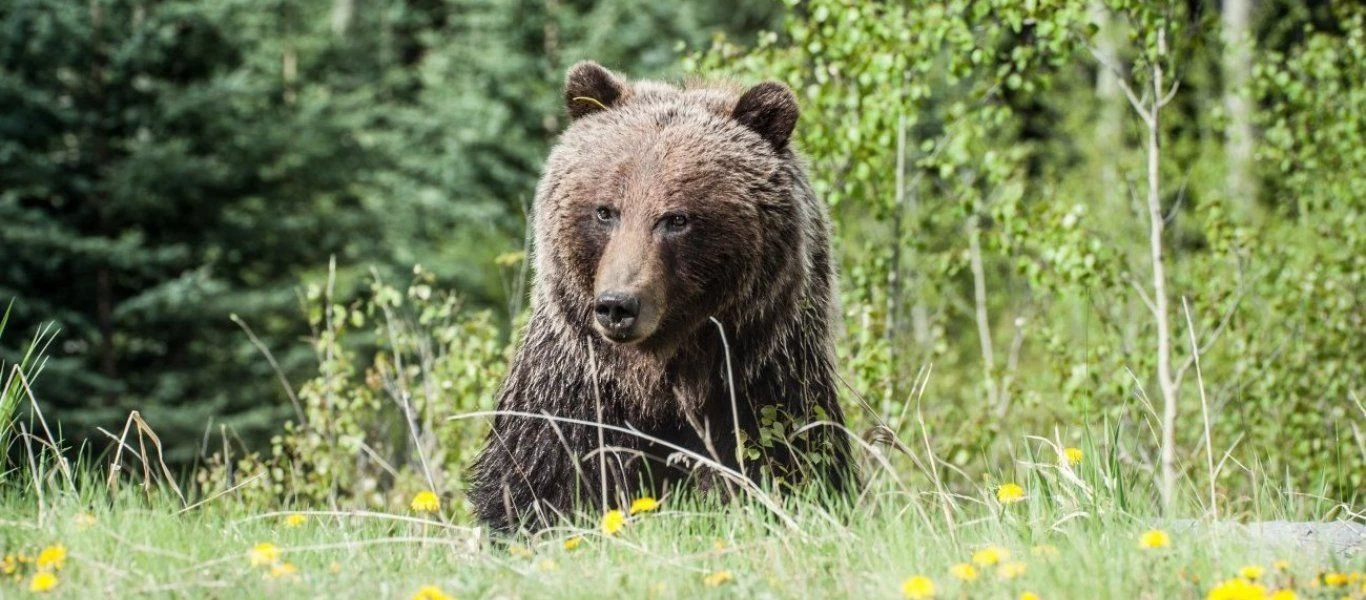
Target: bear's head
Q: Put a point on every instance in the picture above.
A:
(661, 206)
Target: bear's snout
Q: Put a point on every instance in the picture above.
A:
(617, 312)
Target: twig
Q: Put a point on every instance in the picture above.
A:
(734, 407)
(275, 366)
(1204, 407)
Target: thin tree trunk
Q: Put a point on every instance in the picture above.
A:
(920, 315)
(979, 290)
(1239, 184)
(289, 71)
(1160, 310)
(1110, 122)
(342, 11)
(894, 269)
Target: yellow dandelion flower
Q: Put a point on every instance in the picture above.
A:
(1029, 596)
(1251, 572)
(613, 521)
(1010, 493)
(573, 543)
(426, 501)
(264, 553)
(645, 504)
(1153, 539)
(520, 551)
(1237, 589)
(334, 567)
(431, 592)
(1044, 550)
(719, 545)
(9, 565)
(295, 520)
(919, 587)
(1281, 565)
(1284, 595)
(280, 570)
(51, 558)
(718, 578)
(989, 556)
(963, 571)
(1335, 579)
(83, 520)
(1072, 456)
(42, 582)
(1010, 570)
(547, 565)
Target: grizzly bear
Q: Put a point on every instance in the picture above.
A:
(683, 298)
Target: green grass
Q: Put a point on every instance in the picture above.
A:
(145, 543)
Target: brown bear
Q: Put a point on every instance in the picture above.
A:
(679, 251)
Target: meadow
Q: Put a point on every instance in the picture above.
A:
(1054, 522)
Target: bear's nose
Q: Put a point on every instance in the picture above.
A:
(617, 312)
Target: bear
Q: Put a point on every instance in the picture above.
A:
(683, 297)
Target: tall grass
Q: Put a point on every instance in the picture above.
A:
(1075, 532)
(16, 378)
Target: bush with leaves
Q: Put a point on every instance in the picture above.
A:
(377, 421)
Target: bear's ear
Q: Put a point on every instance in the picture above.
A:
(770, 109)
(590, 88)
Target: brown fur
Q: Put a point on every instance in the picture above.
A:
(754, 254)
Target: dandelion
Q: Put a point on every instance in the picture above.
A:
(280, 570)
(1072, 456)
(1335, 579)
(83, 520)
(264, 553)
(1010, 493)
(1010, 570)
(1281, 565)
(645, 504)
(9, 565)
(547, 565)
(1251, 572)
(718, 578)
(42, 582)
(1029, 596)
(426, 501)
(1284, 595)
(295, 520)
(963, 571)
(719, 545)
(573, 543)
(51, 558)
(1153, 539)
(1044, 551)
(613, 521)
(334, 567)
(431, 592)
(1237, 589)
(520, 551)
(989, 556)
(918, 588)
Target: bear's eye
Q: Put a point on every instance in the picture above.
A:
(604, 214)
(676, 222)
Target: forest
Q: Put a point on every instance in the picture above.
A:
(278, 252)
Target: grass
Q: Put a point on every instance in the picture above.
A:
(1075, 531)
